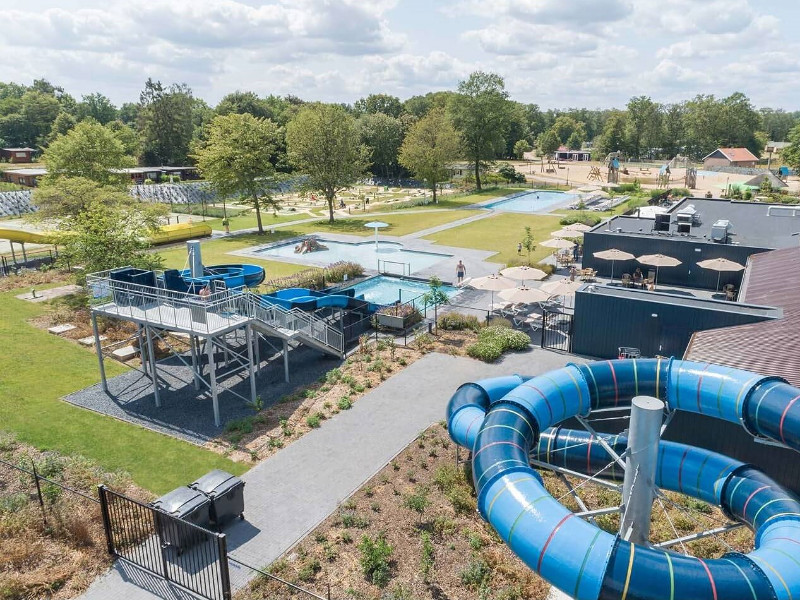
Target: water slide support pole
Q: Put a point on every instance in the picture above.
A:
(195, 258)
(638, 488)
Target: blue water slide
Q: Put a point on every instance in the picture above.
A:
(234, 276)
(506, 420)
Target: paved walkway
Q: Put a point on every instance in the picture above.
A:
(290, 493)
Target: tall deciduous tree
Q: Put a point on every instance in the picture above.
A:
(644, 125)
(98, 107)
(791, 154)
(521, 147)
(481, 113)
(548, 143)
(382, 134)
(165, 123)
(235, 158)
(431, 143)
(323, 142)
(379, 103)
(244, 102)
(88, 150)
(613, 137)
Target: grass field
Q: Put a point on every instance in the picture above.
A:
(501, 234)
(39, 368)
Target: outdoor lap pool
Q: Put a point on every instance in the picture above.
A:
(367, 254)
(386, 290)
(534, 201)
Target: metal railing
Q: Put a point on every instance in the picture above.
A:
(405, 268)
(189, 556)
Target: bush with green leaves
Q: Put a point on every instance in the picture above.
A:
(336, 272)
(427, 555)
(454, 321)
(494, 340)
(314, 420)
(376, 555)
(344, 403)
(584, 218)
(476, 574)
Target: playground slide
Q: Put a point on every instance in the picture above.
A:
(504, 419)
(165, 235)
(28, 237)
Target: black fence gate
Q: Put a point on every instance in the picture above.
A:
(557, 330)
(189, 556)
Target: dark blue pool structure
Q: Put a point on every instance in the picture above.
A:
(505, 421)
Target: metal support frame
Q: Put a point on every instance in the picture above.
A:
(600, 440)
(152, 356)
(638, 488)
(212, 370)
(99, 350)
(249, 340)
(195, 361)
(286, 360)
(597, 481)
(699, 536)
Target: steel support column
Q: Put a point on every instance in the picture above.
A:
(195, 362)
(286, 360)
(212, 372)
(152, 356)
(99, 349)
(249, 340)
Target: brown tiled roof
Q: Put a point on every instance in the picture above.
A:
(769, 347)
(739, 154)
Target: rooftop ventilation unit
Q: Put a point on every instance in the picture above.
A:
(721, 231)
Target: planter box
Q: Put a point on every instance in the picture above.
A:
(394, 322)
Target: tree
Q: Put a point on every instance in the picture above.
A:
(510, 174)
(129, 113)
(244, 102)
(38, 111)
(382, 134)
(430, 145)
(127, 135)
(63, 124)
(110, 231)
(548, 143)
(566, 126)
(575, 141)
(379, 103)
(97, 107)
(481, 113)
(791, 154)
(235, 158)
(165, 123)
(777, 123)
(66, 197)
(643, 124)
(673, 138)
(323, 142)
(434, 297)
(89, 150)
(613, 137)
(521, 147)
(528, 243)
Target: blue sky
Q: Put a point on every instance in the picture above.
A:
(556, 53)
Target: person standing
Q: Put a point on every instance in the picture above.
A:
(461, 271)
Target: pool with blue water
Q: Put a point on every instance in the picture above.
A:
(392, 255)
(386, 290)
(535, 201)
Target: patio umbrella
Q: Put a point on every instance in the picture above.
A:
(564, 287)
(493, 283)
(577, 227)
(557, 243)
(658, 261)
(567, 233)
(720, 265)
(613, 255)
(376, 225)
(524, 273)
(524, 295)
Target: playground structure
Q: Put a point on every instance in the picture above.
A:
(223, 320)
(510, 423)
(612, 164)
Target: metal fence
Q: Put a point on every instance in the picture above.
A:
(557, 330)
(30, 259)
(189, 556)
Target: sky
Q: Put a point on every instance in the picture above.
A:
(554, 53)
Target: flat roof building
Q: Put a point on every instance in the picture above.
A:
(17, 155)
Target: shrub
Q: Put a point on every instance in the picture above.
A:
(585, 218)
(458, 322)
(314, 420)
(485, 351)
(476, 574)
(494, 340)
(427, 555)
(461, 499)
(335, 273)
(309, 570)
(407, 311)
(375, 559)
(351, 519)
(418, 501)
(446, 477)
(344, 403)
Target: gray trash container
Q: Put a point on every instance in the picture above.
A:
(185, 504)
(226, 493)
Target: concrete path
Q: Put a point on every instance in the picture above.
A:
(450, 225)
(290, 493)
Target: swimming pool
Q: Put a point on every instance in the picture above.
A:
(534, 201)
(386, 290)
(364, 253)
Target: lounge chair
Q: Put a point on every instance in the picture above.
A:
(626, 280)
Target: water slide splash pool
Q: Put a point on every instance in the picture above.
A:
(505, 420)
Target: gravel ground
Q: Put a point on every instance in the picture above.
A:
(188, 414)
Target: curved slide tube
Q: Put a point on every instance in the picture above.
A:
(504, 420)
(165, 235)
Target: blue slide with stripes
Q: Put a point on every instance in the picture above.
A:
(505, 421)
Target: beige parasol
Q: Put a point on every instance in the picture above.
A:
(557, 243)
(492, 283)
(524, 273)
(578, 227)
(565, 287)
(524, 295)
(720, 265)
(658, 261)
(613, 254)
(567, 233)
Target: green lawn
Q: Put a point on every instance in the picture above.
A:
(39, 368)
(605, 214)
(501, 234)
